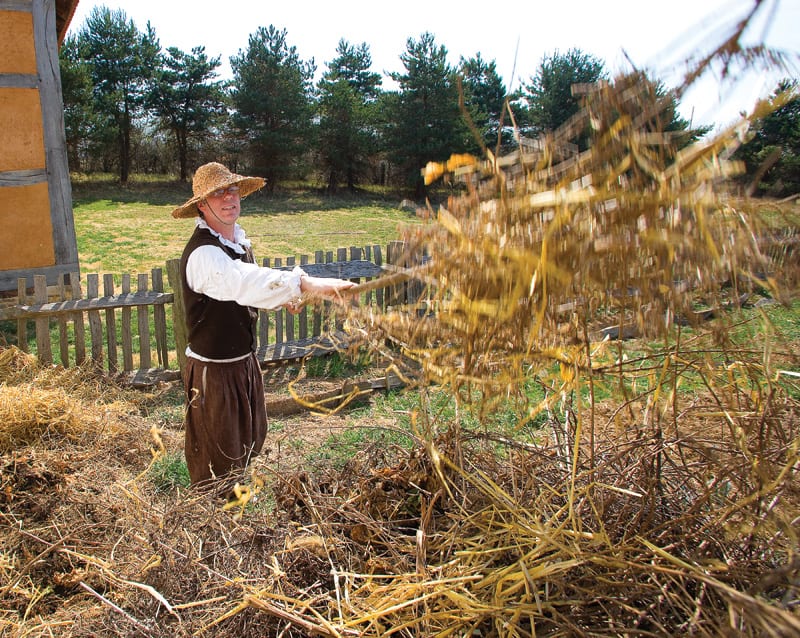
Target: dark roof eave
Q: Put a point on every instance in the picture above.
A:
(65, 9)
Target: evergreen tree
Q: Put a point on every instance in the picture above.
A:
(485, 99)
(186, 99)
(76, 89)
(426, 124)
(122, 61)
(272, 96)
(549, 94)
(353, 64)
(347, 95)
(772, 152)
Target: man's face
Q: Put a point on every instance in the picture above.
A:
(223, 207)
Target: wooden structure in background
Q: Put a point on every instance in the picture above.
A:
(38, 235)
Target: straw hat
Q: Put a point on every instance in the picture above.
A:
(213, 176)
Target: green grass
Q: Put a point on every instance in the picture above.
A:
(336, 366)
(440, 405)
(366, 431)
(754, 335)
(130, 229)
(783, 322)
(169, 472)
(338, 449)
(166, 408)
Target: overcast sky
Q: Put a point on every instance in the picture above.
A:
(516, 34)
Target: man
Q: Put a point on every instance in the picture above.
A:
(222, 289)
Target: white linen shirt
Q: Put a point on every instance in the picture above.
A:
(211, 272)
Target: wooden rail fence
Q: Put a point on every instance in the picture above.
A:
(118, 328)
(126, 330)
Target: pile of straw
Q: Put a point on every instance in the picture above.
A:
(51, 402)
(29, 414)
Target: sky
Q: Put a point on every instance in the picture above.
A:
(515, 34)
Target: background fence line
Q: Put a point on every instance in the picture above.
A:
(127, 331)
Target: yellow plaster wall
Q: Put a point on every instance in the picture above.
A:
(17, 52)
(21, 136)
(27, 241)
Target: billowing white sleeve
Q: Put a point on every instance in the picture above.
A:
(211, 272)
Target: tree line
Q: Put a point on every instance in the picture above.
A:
(132, 106)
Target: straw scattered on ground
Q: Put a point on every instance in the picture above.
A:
(606, 439)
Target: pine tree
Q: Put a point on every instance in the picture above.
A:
(272, 96)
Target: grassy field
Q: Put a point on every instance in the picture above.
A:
(130, 229)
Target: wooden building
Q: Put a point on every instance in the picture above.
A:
(37, 233)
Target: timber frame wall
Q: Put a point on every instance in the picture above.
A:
(35, 190)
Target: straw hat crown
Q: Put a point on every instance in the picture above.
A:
(213, 176)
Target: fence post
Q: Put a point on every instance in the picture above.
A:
(377, 257)
(22, 324)
(178, 314)
(95, 324)
(319, 258)
(263, 318)
(160, 320)
(279, 319)
(127, 335)
(63, 335)
(43, 350)
(111, 324)
(302, 319)
(290, 318)
(77, 320)
(395, 255)
(143, 320)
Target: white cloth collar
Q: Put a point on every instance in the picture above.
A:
(240, 240)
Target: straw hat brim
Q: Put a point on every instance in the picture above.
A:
(247, 185)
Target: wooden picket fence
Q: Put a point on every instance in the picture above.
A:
(116, 331)
(125, 330)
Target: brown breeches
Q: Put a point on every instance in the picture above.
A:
(226, 418)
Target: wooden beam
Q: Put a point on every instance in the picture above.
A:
(350, 393)
(65, 244)
(9, 278)
(23, 178)
(18, 81)
(35, 311)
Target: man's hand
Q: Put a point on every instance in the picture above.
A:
(312, 288)
(295, 306)
(324, 287)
